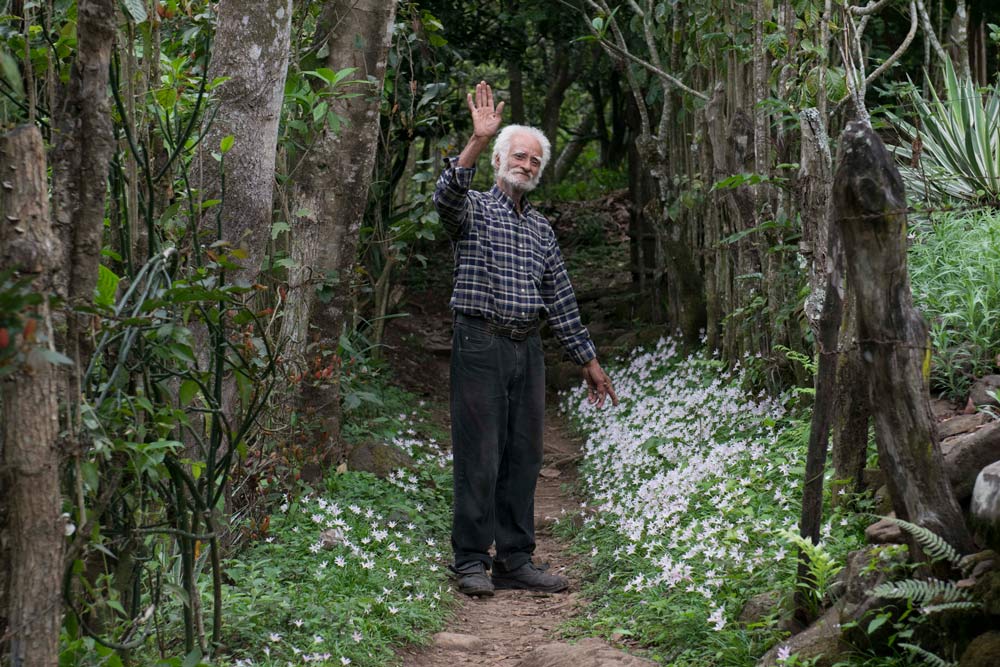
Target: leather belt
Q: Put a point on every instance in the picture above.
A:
(516, 333)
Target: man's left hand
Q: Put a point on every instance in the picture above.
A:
(598, 384)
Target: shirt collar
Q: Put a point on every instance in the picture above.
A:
(506, 200)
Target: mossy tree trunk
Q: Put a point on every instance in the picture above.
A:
(870, 210)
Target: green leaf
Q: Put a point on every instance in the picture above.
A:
(226, 144)
(107, 287)
(598, 23)
(11, 72)
(136, 9)
(877, 623)
(189, 389)
(278, 227)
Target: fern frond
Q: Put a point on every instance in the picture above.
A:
(928, 657)
(921, 593)
(962, 605)
(930, 542)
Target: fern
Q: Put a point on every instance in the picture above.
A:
(921, 593)
(932, 544)
(962, 605)
(928, 657)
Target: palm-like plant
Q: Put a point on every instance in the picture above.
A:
(959, 139)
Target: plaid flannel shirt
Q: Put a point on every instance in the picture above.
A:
(508, 267)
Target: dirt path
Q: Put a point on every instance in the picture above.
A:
(500, 630)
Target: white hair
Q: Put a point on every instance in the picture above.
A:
(501, 147)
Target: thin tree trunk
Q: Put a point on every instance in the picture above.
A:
(29, 458)
(572, 150)
(329, 195)
(81, 160)
(251, 49)
(870, 205)
(564, 72)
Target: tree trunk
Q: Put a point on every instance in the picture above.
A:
(81, 159)
(564, 72)
(572, 150)
(870, 206)
(329, 195)
(30, 420)
(251, 49)
(958, 36)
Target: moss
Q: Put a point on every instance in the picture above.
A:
(984, 651)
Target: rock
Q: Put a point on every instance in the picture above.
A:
(985, 507)
(884, 531)
(331, 538)
(378, 458)
(588, 653)
(760, 607)
(942, 409)
(820, 641)
(983, 651)
(550, 472)
(978, 394)
(453, 641)
(966, 455)
(867, 568)
(960, 424)
(987, 592)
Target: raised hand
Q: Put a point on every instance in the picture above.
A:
(485, 118)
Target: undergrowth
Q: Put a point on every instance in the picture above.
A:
(954, 265)
(691, 487)
(348, 571)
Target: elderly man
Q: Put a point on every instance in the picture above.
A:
(509, 276)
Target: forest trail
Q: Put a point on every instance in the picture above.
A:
(499, 631)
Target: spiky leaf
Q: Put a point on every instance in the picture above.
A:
(136, 9)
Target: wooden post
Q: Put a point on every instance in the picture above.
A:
(870, 210)
(29, 462)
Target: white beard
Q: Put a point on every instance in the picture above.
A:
(508, 177)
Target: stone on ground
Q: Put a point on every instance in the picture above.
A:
(588, 653)
(453, 641)
(378, 458)
(966, 455)
(984, 651)
(981, 389)
(985, 508)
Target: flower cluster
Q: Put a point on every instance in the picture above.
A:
(691, 473)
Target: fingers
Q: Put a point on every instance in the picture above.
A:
(468, 100)
(499, 109)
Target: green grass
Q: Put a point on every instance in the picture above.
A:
(955, 275)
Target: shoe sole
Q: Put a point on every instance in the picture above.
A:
(476, 591)
(513, 584)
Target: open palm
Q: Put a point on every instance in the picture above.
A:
(486, 118)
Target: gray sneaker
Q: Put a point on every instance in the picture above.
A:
(473, 580)
(531, 578)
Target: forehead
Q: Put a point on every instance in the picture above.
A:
(524, 142)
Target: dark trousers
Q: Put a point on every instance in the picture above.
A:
(497, 414)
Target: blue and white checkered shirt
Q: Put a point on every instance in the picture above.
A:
(508, 267)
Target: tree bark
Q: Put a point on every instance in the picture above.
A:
(251, 49)
(29, 459)
(870, 206)
(81, 158)
(329, 195)
(564, 72)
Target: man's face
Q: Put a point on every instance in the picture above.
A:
(521, 168)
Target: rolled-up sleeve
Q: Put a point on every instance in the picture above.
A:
(451, 197)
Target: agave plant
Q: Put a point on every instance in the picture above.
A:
(959, 139)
